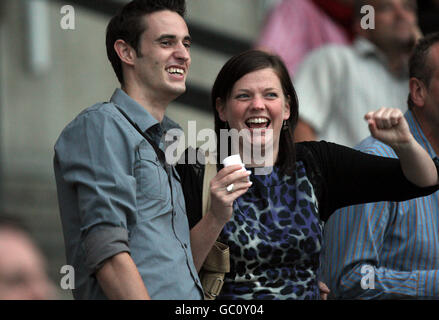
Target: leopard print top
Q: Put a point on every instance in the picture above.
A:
(275, 239)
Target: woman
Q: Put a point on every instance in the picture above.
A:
(273, 223)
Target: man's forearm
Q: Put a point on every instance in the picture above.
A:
(120, 279)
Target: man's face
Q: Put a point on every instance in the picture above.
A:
(164, 55)
(395, 24)
(22, 269)
(431, 102)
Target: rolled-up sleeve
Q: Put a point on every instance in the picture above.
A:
(95, 160)
(103, 243)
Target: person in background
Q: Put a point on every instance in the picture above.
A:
(293, 28)
(336, 85)
(393, 245)
(23, 274)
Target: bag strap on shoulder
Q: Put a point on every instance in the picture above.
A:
(209, 173)
(217, 262)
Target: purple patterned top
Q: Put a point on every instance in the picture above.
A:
(275, 239)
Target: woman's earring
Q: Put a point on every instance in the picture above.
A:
(285, 125)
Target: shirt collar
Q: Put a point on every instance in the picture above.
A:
(366, 48)
(419, 136)
(168, 124)
(140, 115)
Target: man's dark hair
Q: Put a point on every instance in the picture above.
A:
(128, 25)
(419, 64)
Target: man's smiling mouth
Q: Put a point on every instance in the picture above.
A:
(175, 71)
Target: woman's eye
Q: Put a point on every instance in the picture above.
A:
(242, 96)
(272, 95)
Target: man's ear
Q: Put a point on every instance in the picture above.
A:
(418, 92)
(220, 108)
(125, 52)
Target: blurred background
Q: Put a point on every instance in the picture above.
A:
(49, 74)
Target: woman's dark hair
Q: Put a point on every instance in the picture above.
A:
(247, 62)
(128, 25)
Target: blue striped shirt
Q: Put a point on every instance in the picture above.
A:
(384, 250)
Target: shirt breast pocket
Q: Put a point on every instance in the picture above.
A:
(152, 180)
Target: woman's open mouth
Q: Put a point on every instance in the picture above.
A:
(258, 123)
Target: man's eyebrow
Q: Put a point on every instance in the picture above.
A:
(171, 36)
(166, 36)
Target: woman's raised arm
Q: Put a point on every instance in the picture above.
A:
(390, 127)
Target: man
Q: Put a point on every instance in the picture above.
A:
(388, 250)
(23, 274)
(121, 204)
(336, 85)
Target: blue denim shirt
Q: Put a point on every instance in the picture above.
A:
(114, 196)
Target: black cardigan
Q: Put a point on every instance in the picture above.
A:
(340, 176)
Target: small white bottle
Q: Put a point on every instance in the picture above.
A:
(234, 159)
